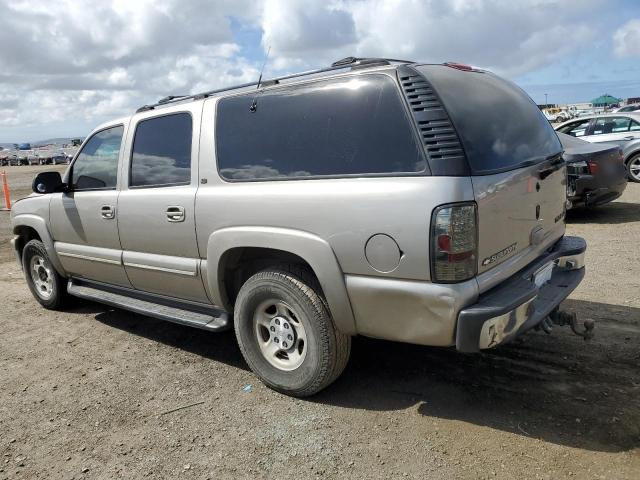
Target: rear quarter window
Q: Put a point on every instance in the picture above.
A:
(499, 125)
(354, 125)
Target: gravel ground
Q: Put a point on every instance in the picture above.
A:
(92, 392)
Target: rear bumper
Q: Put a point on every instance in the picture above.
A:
(517, 304)
(594, 190)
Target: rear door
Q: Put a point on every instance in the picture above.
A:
(516, 166)
(156, 205)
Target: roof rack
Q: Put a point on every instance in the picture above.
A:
(347, 62)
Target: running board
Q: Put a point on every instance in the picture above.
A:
(206, 321)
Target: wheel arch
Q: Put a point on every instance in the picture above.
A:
(28, 227)
(632, 154)
(227, 245)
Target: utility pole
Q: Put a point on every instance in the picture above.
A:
(545, 100)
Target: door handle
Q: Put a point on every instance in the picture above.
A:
(175, 213)
(108, 211)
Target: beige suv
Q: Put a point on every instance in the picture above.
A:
(411, 202)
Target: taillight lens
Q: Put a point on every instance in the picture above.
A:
(454, 243)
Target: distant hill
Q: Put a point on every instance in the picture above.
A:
(56, 141)
(48, 141)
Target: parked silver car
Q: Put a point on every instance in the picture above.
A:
(410, 202)
(620, 128)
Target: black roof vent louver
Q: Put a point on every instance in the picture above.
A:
(437, 133)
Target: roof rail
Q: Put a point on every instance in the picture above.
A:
(347, 62)
(367, 61)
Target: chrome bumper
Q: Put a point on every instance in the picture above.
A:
(517, 304)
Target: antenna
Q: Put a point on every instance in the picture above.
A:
(254, 103)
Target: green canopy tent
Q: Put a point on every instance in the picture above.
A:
(605, 100)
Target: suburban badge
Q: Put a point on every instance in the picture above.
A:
(498, 255)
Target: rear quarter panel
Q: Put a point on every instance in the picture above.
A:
(344, 212)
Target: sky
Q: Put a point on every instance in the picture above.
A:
(68, 65)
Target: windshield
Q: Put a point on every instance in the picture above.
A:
(499, 125)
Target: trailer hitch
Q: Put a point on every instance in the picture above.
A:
(562, 318)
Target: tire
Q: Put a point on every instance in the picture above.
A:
(318, 353)
(46, 285)
(633, 168)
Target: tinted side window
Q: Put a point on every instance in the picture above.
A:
(347, 126)
(162, 151)
(576, 129)
(606, 125)
(96, 166)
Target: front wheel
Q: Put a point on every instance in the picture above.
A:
(46, 285)
(633, 169)
(286, 333)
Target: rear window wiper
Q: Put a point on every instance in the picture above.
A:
(556, 163)
(557, 159)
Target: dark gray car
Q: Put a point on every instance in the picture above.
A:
(595, 172)
(622, 129)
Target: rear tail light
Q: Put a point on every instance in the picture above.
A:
(454, 242)
(594, 167)
(462, 66)
(459, 66)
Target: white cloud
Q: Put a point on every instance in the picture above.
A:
(79, 62)
(509, 37)
(306, 27)
(71, 64)
(626, 40)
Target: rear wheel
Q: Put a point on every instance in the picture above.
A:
(633, 168)
(46, 285)
(286, 333)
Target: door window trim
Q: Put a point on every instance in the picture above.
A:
(133, 142)
(69, 175)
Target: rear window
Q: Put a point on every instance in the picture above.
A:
(499, 125)
(162, 151)
(347, 126)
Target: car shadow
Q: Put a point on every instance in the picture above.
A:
(558, 389)
(221, 346)
(610, 213)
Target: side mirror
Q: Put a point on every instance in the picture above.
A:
(47, 182)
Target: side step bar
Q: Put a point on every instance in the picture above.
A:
(214, 320)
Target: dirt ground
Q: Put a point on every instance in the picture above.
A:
(89, 393)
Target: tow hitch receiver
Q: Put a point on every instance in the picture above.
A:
(562, 318)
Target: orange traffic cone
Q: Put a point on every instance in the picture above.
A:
(5, 191)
